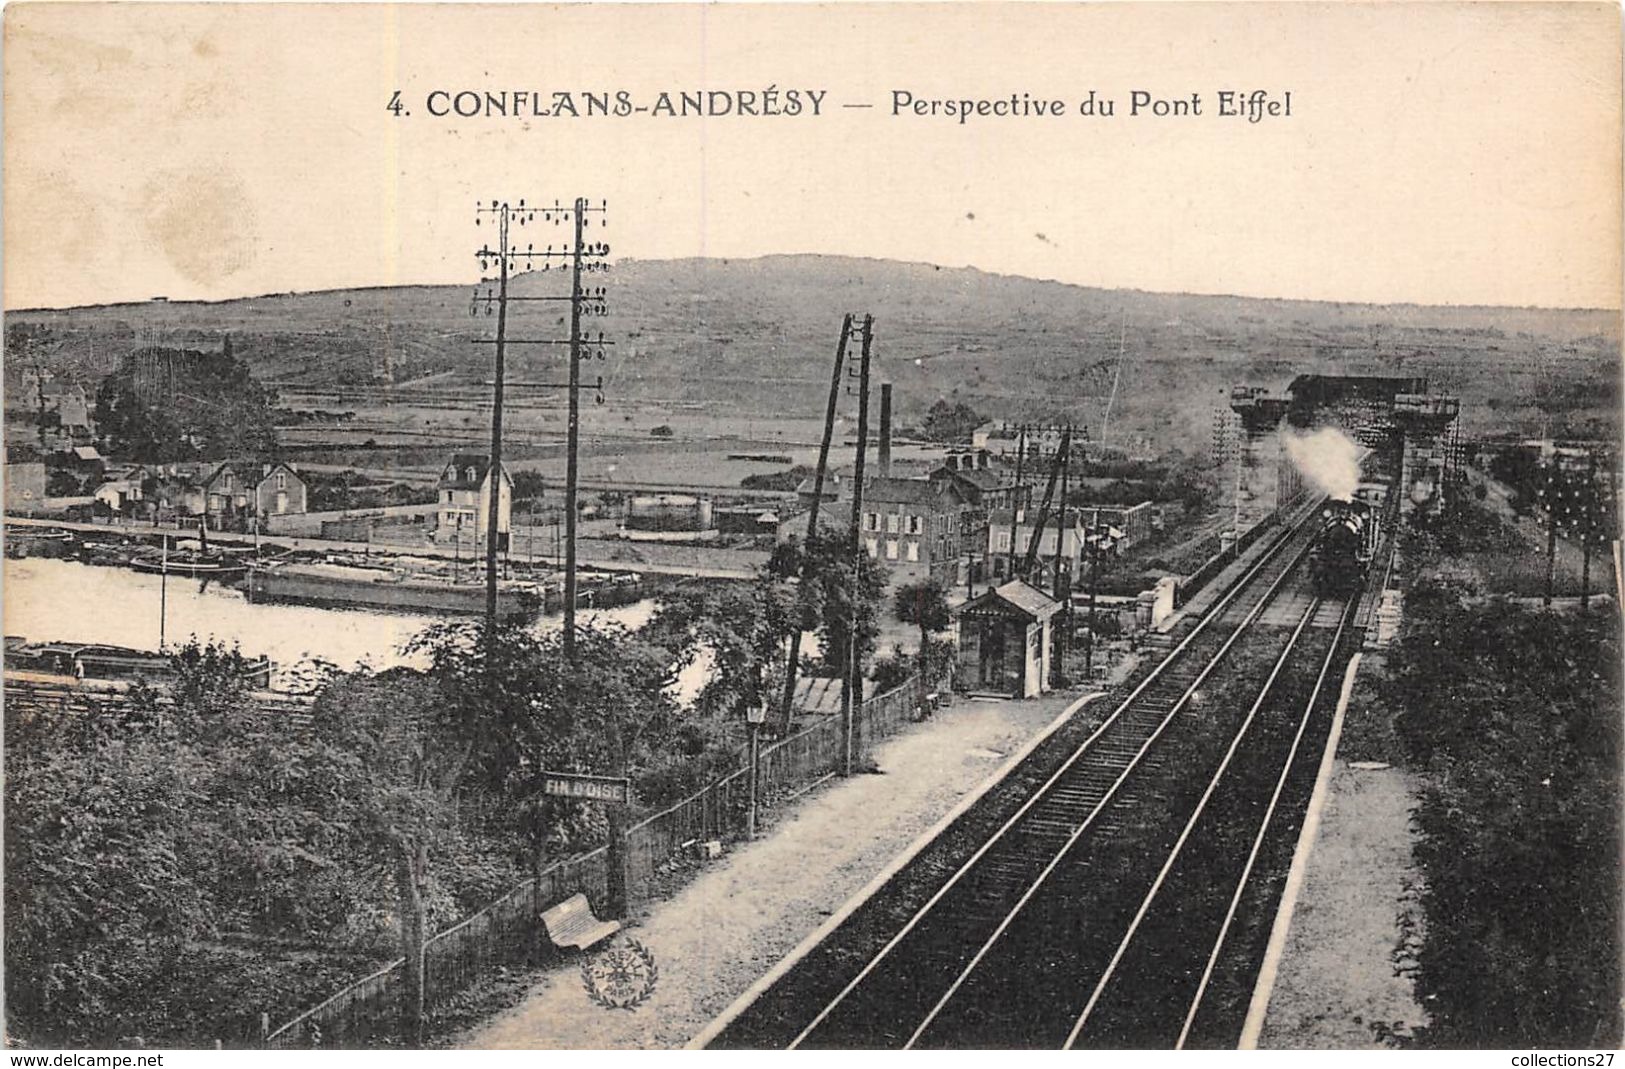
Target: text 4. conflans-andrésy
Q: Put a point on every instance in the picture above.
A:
(770, 102)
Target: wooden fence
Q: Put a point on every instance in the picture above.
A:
(507, 931)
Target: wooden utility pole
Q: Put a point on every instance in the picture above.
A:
(1551, 494)
(1093, 548)
(1017, 498)
(575, 254)
(852, 678)
(494, 474)
(163, 595)
(1588, 514)
(573, 442)
(506, 255)
(1063, 583)
(787, 710)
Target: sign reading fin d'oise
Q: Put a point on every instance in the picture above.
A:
(581, 785)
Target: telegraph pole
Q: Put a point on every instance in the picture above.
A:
(535, 260)
(852, 678)
(1587, 524)
(786, 711)
(573, 257)
(1551, 493)
(495, 473)
(1094, 574)
(1016, 500)
(572, 448)
(1063, 585)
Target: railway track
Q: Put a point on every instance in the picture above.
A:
(1182, 972)
(1013, 941)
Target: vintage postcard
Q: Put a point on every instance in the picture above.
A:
(812, 526)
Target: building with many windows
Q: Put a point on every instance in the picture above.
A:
(914, 526)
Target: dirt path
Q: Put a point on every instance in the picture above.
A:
(752, 907)
(1342, 981)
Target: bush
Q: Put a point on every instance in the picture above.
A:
(1512, 718)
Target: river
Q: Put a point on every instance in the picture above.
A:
(59, 600)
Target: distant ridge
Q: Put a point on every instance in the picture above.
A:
(757, 334)
(794, 257)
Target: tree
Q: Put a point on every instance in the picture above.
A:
(835, 589)
(742, 630)
(523, 708)
(198, 404)
(138, 831)
(925, 604)
(97, 891)
(950, 422)
(528, 485)
(394, 763)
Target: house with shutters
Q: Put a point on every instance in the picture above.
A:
(914, 527)
(237, 495)
(463, 510)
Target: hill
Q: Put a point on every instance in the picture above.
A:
(757, 335)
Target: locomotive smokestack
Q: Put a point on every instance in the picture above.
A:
(885, 429)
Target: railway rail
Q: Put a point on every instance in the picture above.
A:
(1012, 941)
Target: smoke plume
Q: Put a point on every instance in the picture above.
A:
(1328, 458)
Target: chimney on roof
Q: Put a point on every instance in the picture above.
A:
(885, 429)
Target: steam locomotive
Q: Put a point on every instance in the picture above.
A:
(1347, 541)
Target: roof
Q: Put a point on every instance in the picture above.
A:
(86, 452)
(886, 490)
(822, 694)
(832, 486)
(1001, 517)
(998, 478)
(1025, 599)
(270, 468)
(455, 476)
(228, 468)
(828, 519)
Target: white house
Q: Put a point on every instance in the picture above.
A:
(464, 507)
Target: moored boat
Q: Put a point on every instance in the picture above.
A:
(188, 565)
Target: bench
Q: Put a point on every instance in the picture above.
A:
(571, 923)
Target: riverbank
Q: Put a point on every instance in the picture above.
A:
(695, 562)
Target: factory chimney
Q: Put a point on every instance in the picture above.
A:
(885, 430)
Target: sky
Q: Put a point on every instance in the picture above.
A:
(1436, 154)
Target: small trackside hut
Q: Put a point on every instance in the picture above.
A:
(1004, 641)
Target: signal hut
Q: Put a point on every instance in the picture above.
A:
(1004, 641)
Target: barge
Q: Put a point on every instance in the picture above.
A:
(354, 586)
(98, 661)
